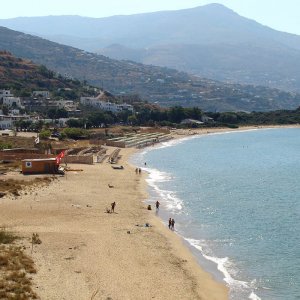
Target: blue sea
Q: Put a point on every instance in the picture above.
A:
(235, 198)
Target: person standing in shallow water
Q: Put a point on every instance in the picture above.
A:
(172, 224)
(157, 205)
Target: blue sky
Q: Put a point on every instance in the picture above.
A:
(282, 15)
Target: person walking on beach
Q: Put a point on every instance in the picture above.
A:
(113, 205)
(157, 204)
(172, 224)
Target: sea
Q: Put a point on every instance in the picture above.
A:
(235, 198)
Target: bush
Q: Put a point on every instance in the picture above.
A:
(75, 133)
(233, 126)
(5, 146)
(6, 237)
(45, 134)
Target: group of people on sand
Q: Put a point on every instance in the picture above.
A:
(171, 221)
(138, 171)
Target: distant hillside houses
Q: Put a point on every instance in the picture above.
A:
(9, 100)
(99, 103)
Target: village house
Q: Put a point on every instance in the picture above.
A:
(5, 93)
(68, 105)
(12, 102)
(207, 119)
(98, 103)
(9, 100)
(43, 94)
(191, 121)
(7, 122)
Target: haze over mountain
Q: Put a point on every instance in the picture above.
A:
(166, 87)
(211, 41)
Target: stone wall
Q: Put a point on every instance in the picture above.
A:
(77, 159)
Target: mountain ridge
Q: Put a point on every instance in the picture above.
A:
(240, 50)
(164, 86)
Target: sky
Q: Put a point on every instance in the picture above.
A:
(283, 15)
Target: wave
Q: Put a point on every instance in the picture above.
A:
(174, 204)
(171, 201)
(223, 265)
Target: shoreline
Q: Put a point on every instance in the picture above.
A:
(185, 133)
(87, 253)
(208, 264)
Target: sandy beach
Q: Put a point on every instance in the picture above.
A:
(87, 253)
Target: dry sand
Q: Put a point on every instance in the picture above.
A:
(87, 253)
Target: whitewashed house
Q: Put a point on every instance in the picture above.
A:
(98, 103)
(7, 122)
(5, 93)
(12, 101)
(44, 94)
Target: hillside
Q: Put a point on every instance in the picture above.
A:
(166, 87)
(23, 76)
(211, 41)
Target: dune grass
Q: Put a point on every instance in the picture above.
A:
(15, 269)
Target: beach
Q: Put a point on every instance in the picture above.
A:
(87, 253)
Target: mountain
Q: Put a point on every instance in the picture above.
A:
(166, 87)
(23, 76)
(210, 41)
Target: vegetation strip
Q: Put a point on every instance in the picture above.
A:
(15, 269)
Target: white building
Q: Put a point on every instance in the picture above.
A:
(5, 93)
(68, 105)
(105, 105)
(12, 101)
(61, 122)
(7, 122)
(191, 121)
(44, 94)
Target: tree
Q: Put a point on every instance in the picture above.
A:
(176, 114)
(75, 133)
(5, 110)
(45, 134)
(54, 113)
(132, 120)
(194, 113)
(76, 123)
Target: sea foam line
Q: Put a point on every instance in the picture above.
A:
(170, 201)
(221, 266)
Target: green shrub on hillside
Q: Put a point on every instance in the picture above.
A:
(75, 133)
(45, 134)
(5, 145)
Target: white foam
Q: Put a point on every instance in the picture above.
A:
(253, 296)
(223, 265)
(156, 176)
(170, 200)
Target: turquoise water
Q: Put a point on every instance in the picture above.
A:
(236, 201)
